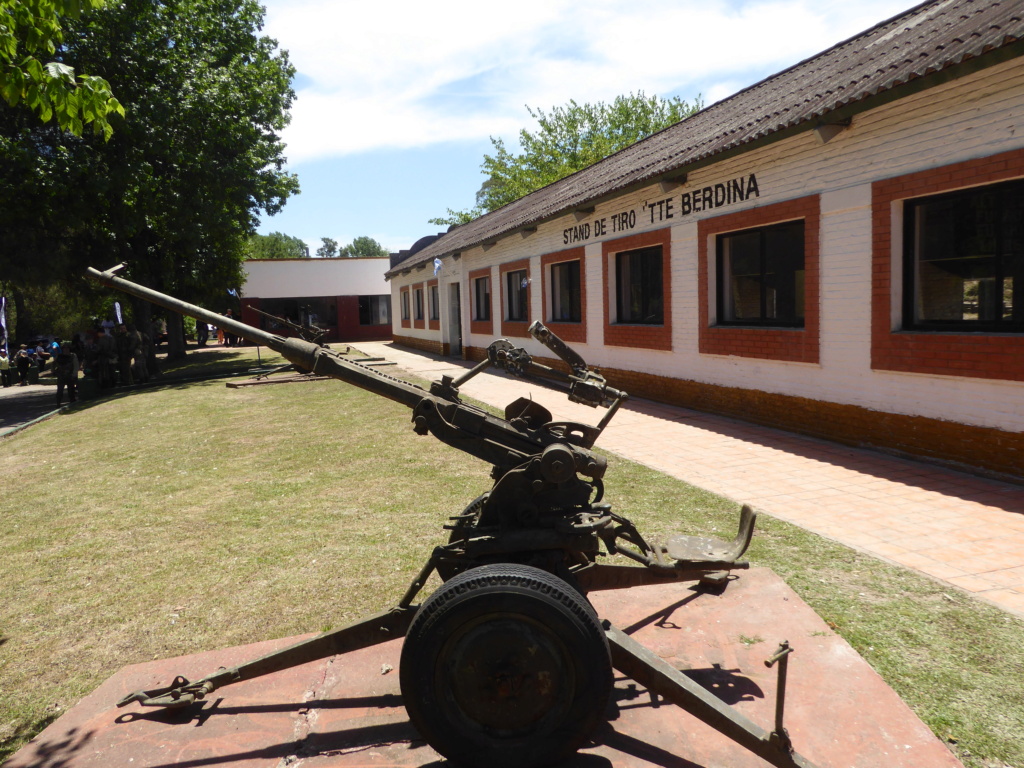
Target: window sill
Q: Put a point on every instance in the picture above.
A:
(761, 327)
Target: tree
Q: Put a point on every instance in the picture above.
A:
(32, 28)
(568, 139)
(363, 248)
(329, 249)
(175, 194)
(276, 245)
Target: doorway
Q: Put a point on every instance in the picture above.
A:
(454, 321)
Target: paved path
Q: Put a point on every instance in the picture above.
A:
(963, 529)
(20, 406)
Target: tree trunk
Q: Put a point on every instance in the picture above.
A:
(175, 337)
(22, 319)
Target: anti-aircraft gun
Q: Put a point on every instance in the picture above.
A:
(308, 331)
(507, 664)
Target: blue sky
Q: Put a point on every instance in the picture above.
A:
(396, 101)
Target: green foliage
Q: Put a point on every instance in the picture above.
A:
(177, 191)
(329, 249)
(455, 218)
(32, 28)
(363, 248)
(276, 245)
(63, 312)
(568, 139)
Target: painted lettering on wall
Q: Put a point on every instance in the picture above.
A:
(655, 211)
(617, 222)
(716, 195)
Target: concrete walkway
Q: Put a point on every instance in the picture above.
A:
(962, 529)
(21, 406)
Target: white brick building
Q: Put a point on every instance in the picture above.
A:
(838, 250)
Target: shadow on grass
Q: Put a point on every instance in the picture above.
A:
(226, 364)
(51, 755)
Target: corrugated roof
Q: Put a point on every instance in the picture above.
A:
(927, 39)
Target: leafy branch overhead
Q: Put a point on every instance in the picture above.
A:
(178, 189)
(568, 139)
(30, 32)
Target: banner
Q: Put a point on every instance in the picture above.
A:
(117, 311)
(3, 320)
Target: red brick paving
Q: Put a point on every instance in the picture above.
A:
(959, 528)
(347, 711)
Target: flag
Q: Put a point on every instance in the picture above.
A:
(3, 319)
(117, 311)
(437, 266)
(233, 292)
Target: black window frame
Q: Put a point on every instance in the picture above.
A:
(370, 309)
(516, 293)
(434, 303)
(1002, 217)
(722, 281)
(645, 271)
(566, 284)
(482, 299)
(417, 304)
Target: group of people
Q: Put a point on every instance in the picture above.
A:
(29, 362)
(26, 363)
(112, 353)
(120, 355)
(204, 331)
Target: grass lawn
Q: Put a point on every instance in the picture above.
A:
(191, 516)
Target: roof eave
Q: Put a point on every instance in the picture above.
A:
(1011, 49)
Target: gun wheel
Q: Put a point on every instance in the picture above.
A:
(505, 666)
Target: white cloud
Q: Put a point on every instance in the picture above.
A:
(406, 74)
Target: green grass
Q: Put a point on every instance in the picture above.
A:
(189, 517)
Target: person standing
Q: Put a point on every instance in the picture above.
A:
(122, 342)
(5, 368)
(137, 349)
(230, 338)
(67, 373)
(23, 362)
(106, 355)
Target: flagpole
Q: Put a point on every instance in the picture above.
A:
(3, 322)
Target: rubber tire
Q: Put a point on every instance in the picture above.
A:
(506, 666)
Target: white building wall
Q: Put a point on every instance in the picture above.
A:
(289, 278)
(975, 117)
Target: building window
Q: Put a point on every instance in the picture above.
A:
(418, 304)
(639, 297)
(565, 292)
(964, 260)
(761, 276)
(315, 310)
(515, 295)
(435, 304)
(405, 305)
(482, 298)
(375, 310)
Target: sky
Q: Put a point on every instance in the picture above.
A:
(397, 102)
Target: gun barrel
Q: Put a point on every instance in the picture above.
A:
(304, 354)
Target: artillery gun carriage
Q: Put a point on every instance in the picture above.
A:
(507, 664)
